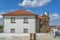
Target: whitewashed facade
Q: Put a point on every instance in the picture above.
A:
(19, 25)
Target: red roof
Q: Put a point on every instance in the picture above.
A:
(19, 12)
(41, 17)
(58, 27)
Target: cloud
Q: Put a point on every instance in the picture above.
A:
(1, 19)
(11, 10)
(28, 10)
(2, 12)
(55, 19)
(54, 16)
(34, 3)
(1, 16)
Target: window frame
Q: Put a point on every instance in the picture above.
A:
(25, 30)
(12, 31)
(25, 20)
(13, 20)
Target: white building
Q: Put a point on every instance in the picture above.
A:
(55, 30)
(20, 21)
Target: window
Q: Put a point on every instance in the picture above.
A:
(25, 30)
(12, 19)
(26, 20)
(12, 30)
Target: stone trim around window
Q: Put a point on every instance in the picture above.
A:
(25, 20)
(12, 30)
(25, 30)
(13, 20)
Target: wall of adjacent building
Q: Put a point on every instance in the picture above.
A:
(38, 26)
(45, 28)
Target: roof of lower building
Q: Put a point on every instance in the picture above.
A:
(19, 12)
(57, 27)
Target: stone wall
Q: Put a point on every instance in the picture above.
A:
(14, 36)
(39, 36)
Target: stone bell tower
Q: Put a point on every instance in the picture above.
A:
(44, 23)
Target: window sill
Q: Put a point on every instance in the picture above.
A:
(13, 22)
(25, 22)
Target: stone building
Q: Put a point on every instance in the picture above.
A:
(44, 23)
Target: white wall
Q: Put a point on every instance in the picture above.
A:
(37, 26)
(19, 25)
(14, 36)
(18, 36)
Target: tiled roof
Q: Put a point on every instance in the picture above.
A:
(41, 17)
(19, 12)
(58, 27)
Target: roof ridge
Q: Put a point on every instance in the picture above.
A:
(19, 12)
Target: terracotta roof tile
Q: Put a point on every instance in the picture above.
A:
(41, 17)
(19, 12)
(58, 27)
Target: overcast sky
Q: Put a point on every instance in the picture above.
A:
(36, 6)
